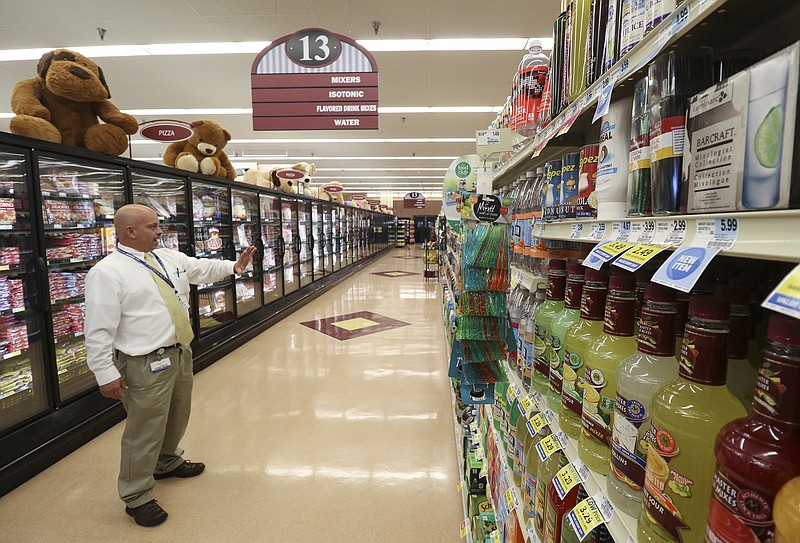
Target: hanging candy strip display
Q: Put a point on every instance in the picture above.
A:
(482, 351)
(485, 246)
(485, 304)
(481, 328)
(479, 280)
(490, 372)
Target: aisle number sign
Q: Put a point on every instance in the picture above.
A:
(786, 296)
(314, 80)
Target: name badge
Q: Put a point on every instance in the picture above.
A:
(160, 365)
(184, 301)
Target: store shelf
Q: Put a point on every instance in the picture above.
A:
(68, 195)
(622, 527)
(526, 279)
(686, 17)
(771, 235)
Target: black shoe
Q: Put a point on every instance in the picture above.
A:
(187, 469)
(148, 514)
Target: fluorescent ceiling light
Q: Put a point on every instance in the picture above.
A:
(376, 177)
(228, 48)
(192, 111)
(421, 168)
(313, 158)
(329, 140)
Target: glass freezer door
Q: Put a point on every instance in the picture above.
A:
(305, 242)
(245, 233)
(318, 249)
(272, 248)
(290, 237)
(23, 391)
(327, 239)
(166, 195)
(78, 206)
(336, 239)
(211, 216)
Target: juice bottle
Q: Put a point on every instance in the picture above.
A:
(531, 76)
(557, 508)
(638, 378)
(542, 348)
(530, 481)
(521, 446)
(742, 375)
(757, 456)
(787, 512)
(576, 347)
(558, 329)
(514, 414)
(544, 477)
(680, 322)
(500, 409)
(599, 535)
(600, 389)
(686, 416)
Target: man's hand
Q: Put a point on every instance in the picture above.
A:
(114, 389)
(244, 260)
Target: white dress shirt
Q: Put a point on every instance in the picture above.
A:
(125, 310)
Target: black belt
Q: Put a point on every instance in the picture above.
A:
(162, 349)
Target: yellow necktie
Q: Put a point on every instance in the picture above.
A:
(180, 318)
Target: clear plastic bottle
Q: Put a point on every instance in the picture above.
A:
(532, 74)
(686, 416)
(577, 341)
(558, 330)
(530, 337)
(638, 379)
(600, 385)
(542, 349)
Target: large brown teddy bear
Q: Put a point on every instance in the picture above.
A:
(203, 151)
(63, 102)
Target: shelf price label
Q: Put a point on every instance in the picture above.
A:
(526, 404)
(495, 536)
(479, 454)
(569, 477)
(540, 229)
(473, 426)
(576, 232)
(605, 251)
(482, 472)
(460, 483)
(637, 257)
(598, 231)
(786, 296)
(643, 231)
(620, 230)
(464, 528)
(718, 233)
(586, 516)
(551, 444)
(604, 98)
(511, 500)
(671, 233)
(511, 394)
(536, 424)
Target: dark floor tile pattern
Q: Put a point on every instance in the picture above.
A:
(354, 325)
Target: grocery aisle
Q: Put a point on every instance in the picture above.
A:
(306, 438)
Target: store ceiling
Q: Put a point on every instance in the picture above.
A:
(420, 79)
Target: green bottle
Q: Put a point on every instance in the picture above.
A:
(687, 415)
(558, 330)
(530, 480)
(547, 470)
(579, 338)
(510, 441)
(553, 305)
(600, 389)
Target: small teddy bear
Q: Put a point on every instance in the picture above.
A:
(202, 152)
(63, 102)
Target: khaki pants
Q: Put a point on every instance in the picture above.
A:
(158, 406)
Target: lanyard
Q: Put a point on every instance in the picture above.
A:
(164, 276)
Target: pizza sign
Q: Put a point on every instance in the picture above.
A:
(314, 80)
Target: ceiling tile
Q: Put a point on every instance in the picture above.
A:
(103, 9)
(253, 8)
(25, 11)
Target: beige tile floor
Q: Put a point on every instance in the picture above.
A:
(306, 439)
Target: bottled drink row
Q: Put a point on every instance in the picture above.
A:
(680, 145)
(689, 404)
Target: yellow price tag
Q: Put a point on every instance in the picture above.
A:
(527, 403)
(479, 454)
(615, 248)
(511, 394)
(464, 528)
(565, 480)
(548, 446)
(636, 257)
(585, 517)
(536, 423)
(786, 296)
(510, 499)
(495, 536)
(460, 484)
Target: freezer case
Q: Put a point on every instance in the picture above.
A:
(166, 195)
(305, 242)
(211, 229)
(272, 248)
(78, 206)
(23, 389)
(318, 244)
(336, 238)
(328, 242)
(290, 244)
(245, 209)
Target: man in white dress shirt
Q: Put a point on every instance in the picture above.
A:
(137, 338)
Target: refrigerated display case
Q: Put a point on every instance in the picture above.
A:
(78, 206)
(327, 238)
(318, 245)
(211, 221)
(336, 237)
(291, 252)
(305, 242)
(23, 390)
(272, 248)
(166, 195)
(245, 215)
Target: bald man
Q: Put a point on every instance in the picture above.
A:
(137, 340)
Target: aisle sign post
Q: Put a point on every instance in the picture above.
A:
(314, 80)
